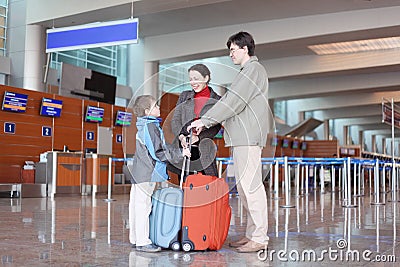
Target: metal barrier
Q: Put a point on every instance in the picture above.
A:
(109, 184)
(287, 184)
(351, 174)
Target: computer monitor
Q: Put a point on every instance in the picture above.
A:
(295, 144)
(102, 87)
(14, 102)
(220, 134)
(285, 143)
(94, 114)
(274, 141)
(50, 107)
(303, 146)
(123, 118)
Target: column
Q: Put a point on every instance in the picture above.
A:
(16, 41)
(143, 75)
(384, 146)
(346, 135)
(326, 130)
(150, 85)
(35, 58)
(361, 139)
(373, 143)
(135, 68)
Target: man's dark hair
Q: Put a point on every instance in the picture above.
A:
(202, 69)
(242, 39)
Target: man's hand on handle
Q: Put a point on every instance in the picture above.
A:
(197, 126)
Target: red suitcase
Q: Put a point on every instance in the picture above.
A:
(206, 212)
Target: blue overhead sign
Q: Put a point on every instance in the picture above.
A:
(92, 35)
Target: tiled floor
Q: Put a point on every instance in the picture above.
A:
(80, 231)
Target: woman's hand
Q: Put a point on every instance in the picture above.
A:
(182, 139)
(184, 143)
(186, 152)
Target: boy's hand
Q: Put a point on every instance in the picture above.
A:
(186, 152)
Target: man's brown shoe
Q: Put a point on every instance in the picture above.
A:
(239, 243)
(252, 246)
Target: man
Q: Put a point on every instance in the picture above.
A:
(245, 113)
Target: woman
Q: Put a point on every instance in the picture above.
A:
(191, 105)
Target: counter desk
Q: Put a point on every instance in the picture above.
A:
(96, 173)
(64, 172)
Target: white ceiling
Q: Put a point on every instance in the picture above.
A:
(342, 92)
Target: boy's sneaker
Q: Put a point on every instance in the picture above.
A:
(148, 248)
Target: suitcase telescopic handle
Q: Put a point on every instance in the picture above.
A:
(186, 160)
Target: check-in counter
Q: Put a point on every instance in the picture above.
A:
(96, 173)
(64, 172)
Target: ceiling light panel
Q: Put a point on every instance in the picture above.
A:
(356, 46)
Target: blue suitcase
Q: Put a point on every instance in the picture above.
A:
(166, 214)
(166, 217)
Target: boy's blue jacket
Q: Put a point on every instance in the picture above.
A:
(152, 152)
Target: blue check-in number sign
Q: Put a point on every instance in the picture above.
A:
(92, 35)
(89, 136)
(9, 127)
(119, 138)
(46, 131)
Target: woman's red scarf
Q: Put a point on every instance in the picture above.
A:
(200, 100)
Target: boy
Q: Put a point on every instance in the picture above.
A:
(149, 166)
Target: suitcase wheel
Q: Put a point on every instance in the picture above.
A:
(187, 247)
(175, 246)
